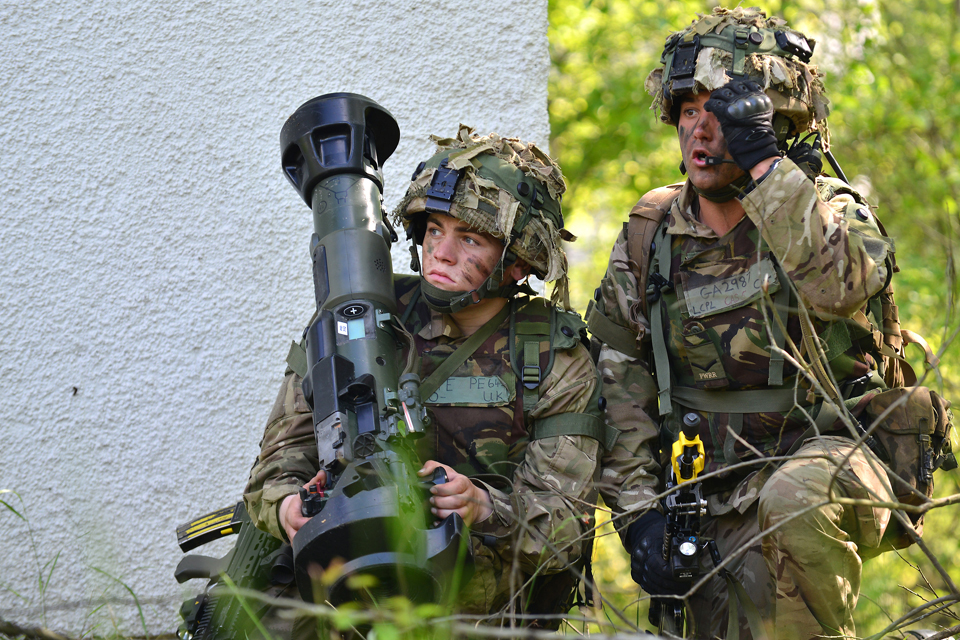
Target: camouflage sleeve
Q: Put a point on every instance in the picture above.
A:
(630, 471)
(543, 518)
(835, 266)
(287, 460)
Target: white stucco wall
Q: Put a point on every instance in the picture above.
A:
(153, 260)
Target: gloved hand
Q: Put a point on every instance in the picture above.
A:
(745, 114)
(644, 541)
(808, 158)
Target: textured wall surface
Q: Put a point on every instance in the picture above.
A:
(153, 260)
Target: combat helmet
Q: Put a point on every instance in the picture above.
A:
(504, 187)
(744, 43)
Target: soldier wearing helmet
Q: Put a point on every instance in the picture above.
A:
(727, 299)
(516, 424)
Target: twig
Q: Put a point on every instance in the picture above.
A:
(14, 630)
(946, 633)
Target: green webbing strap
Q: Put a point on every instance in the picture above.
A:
(735, 404)
(781, 306)
(297, 359)
(740, 50)
(429, 386)
(822, 422)
(609, 332)
(530, 374)
(780, 400)
(661, 358)
(575, 424)
(527, 336)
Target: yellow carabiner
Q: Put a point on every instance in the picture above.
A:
(678, 448)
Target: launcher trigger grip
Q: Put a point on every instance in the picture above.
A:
(439, 477)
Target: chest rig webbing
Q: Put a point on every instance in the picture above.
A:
(545, 328)
(649, 247)
(775, 398)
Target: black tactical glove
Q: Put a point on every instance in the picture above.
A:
(807, 157)
(745, 114)
(644, 541)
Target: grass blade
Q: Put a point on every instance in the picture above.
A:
(136, 600)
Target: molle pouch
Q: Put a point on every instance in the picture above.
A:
(704, 358)
(914, 441)
(709, 288)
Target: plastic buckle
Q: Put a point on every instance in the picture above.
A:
(658, 285)
(855, 388)
(531, 376)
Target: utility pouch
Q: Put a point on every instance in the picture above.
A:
(914, 441)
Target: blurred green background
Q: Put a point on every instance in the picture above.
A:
(892, 73)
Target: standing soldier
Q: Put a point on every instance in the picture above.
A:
(513, 393)
(716, 291)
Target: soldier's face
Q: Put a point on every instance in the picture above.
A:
(456, 256)
(700, 137)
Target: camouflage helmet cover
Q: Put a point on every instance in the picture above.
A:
(738, 42)
(490, 197)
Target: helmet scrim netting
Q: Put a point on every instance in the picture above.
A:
(795, 87)
(482, 204)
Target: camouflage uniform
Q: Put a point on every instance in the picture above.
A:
(718, 331)
(542, 489)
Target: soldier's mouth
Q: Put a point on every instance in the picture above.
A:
(438, 278)
(700, 157)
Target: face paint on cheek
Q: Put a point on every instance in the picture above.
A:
(683, 134)
(473, 272)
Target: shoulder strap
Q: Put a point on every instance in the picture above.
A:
(642, 224)
(640, 228)
(661, 359)
(525, 339)
(611, 333)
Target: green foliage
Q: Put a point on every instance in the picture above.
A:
(893, 70)
(35, 591)
(44, 571)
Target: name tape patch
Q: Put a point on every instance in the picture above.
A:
(471, 390)
(732, 292)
